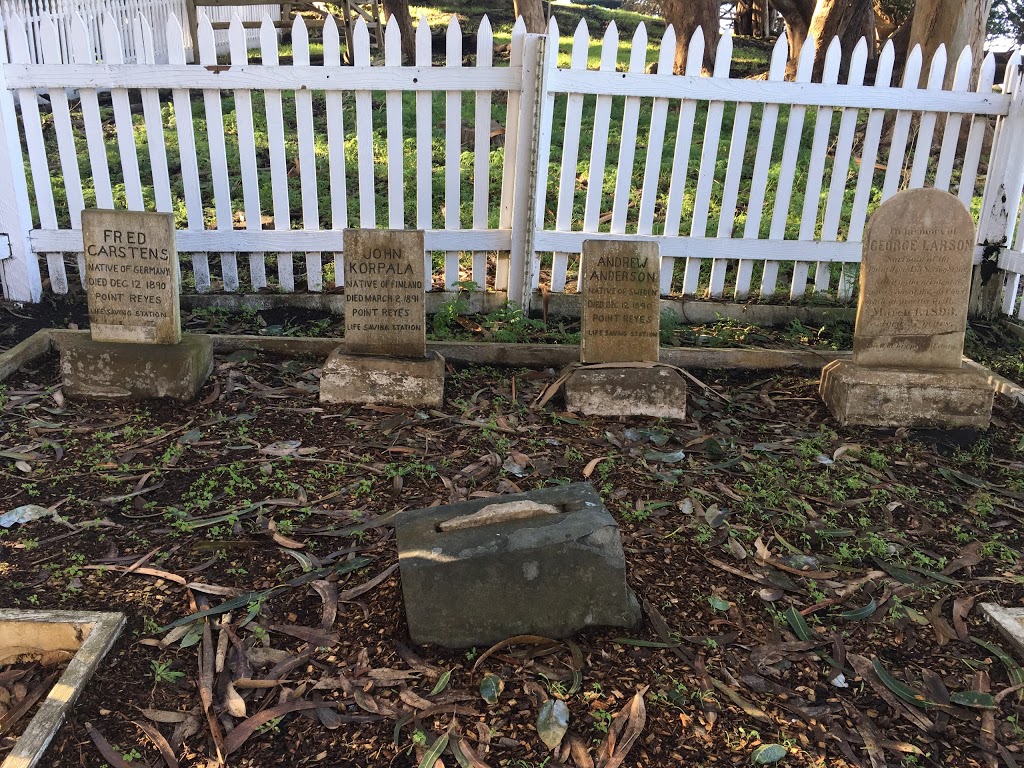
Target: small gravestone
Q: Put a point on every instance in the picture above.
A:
(136, 348)
(620, 375)
(548, 563)
(915, 279)
(384, 359)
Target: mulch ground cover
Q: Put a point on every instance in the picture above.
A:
(810, 593)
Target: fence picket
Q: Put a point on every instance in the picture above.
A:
(395, 140)
(152, 117)
(336, 145)
(816, 174)
(307, 155)
(951, 130)
(364, 131)
(926, 126)
(976, 136)
(239, 51)
(425, 144)
(482, 149)
(762, 164)
(656, 137)
(730, 192)
(681, 158)
(452, 151)
(627, 143)
(570, 157)
(599, 145)
(901, 129)
(84, 55)
(123, 117)
(511, 146)
(278, 165)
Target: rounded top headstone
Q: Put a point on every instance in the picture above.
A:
(915, 282)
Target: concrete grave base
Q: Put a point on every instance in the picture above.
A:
(885, 397)
(101, 370)
(376, 380)
(550, 574)
(658, 392)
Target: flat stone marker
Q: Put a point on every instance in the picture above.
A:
(385, 313)
(1009, 622)
(620, 322)
(384, 359)
(131, 276)
(911, 318)
(621, 289)
(517, 571)
(135, 348)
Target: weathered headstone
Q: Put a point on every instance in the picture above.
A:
(516, 568)
(136, 348)
(908, 344)
(620, 306)
(620, 317)
(384, 359)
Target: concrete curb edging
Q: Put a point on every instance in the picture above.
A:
(526, 355)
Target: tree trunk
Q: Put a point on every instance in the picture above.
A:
(743, 20)
(532, 12)
(400, 10)
(686, 16)
(797, 15)
(955, 23)
(849, 20)
(759, 18)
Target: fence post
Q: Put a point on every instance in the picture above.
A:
(999, 207)
(20, 272)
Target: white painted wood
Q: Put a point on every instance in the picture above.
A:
(482, 149)
(976, 137)
(307, 155)
(218, 153)
(364, 131)
(545, 100)
(599, 144)
(247, 154)
(951, 130)
(513, 116)
(452, 151)
(681, 158)
(187, 156)
(152, 114)
(336, 146)
(816, 174)
(83, 51)
(787, 169)
(424, 145)
(656, 137)
(278, 165)
(627, 143)
(570, 157)
(840, 176)
(762, 165)
(926, 125)
(869, 152)
(123, 118)
(901, 128)
(395, 139)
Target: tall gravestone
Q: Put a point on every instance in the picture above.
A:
(384, 359)
(135, 348)
(619, 336)
(915, 281)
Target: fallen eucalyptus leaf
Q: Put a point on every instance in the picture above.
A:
(491, 687)
(768, 753)
(23, 514)
(552, 722)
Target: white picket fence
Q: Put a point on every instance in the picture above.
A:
(124, 13)
(313, 148)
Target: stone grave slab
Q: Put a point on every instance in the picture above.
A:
(384, 359)
(620, 310)
(619, 336)
(915, 278)
(1009, 622)
(135, 348)
(507, 571)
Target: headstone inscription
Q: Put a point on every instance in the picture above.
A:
(620, 318)
(384, 359)
(135, 348)
(918, 252)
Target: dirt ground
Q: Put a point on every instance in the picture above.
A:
(811, 594)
